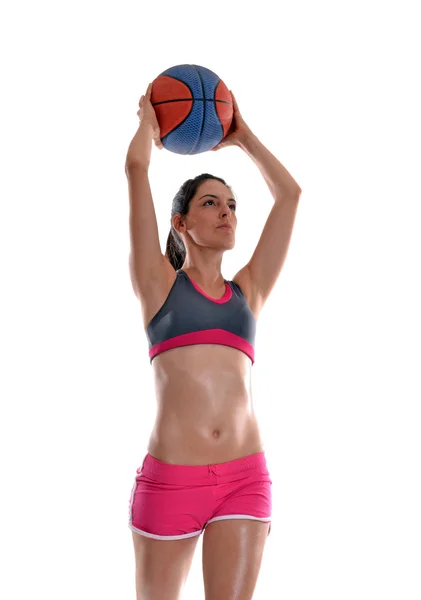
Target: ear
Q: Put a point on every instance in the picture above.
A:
(178, 223)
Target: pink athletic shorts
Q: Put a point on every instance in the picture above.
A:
(172, 502)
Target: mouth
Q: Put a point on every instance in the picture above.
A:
(225, 227)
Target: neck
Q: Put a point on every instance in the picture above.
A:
(206, 276)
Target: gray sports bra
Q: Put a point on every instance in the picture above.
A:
(189, 316)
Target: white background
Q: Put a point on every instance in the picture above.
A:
(331, 89)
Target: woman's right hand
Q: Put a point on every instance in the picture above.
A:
(147, 115)
(139, 152)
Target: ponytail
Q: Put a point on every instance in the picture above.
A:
(176, 250)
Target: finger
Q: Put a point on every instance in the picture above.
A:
(149, 91)
(234, 101)
(157, 138)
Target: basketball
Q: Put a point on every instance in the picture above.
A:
(194, 108)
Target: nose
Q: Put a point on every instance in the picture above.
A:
(225, 211)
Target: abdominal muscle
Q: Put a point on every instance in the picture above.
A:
(204, 406)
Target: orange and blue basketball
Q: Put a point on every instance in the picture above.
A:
(194, 108)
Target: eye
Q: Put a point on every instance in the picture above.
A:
(231, 206)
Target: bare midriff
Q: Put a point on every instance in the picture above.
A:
(204, 406)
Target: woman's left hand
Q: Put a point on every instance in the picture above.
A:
(238, 131)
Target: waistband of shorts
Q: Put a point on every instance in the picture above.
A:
(151, 466)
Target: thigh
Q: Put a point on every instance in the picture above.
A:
(162, 566)
(232, 556)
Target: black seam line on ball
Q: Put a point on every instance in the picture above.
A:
(215, 100)
(204, 112)
(191, 99)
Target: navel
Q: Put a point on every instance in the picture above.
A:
(216, 433)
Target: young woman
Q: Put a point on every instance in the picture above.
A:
(205, 468)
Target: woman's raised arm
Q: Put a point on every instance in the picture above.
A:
(146, 259)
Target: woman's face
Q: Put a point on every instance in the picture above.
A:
(213, 205)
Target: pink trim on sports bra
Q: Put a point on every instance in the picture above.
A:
(207, 336)
(227, 295)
